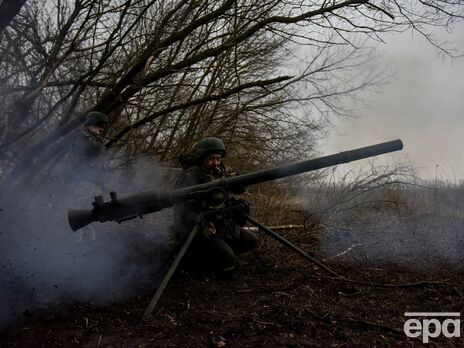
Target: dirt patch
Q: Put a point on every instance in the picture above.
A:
(275, 299)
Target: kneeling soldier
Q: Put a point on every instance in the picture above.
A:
(220, 239)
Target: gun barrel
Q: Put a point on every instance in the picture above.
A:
(317, 163)
(294, 168)
(152, 201)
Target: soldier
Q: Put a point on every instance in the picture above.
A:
(219, 240)
(86, 163)
(95, 127)
(87, 148)
(82, 148)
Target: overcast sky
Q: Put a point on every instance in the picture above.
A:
(423, 106)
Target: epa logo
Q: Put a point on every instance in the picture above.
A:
(429, 325)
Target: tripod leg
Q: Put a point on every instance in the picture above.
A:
(170, 273)
(291, 246)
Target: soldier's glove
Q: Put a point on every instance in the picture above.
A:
(209, 230)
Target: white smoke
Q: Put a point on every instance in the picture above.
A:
(44, 263)
(387, 218)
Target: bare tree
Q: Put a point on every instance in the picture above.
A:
(265, 75)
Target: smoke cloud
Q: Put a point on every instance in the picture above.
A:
(386, 218)
(43, 263)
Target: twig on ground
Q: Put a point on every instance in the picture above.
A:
(345, 251)
(330, 319)
(386, 285)
(380, 326)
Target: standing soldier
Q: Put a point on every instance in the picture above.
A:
(85, 155)
(219, 240)
(86, 160)
(96, 124)
(78, 157)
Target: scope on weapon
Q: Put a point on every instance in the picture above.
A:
(148, 202)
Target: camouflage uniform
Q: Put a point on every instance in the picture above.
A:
(219, 251)
(85, 155)
(86, 162)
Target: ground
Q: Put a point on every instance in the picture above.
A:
(276, 299)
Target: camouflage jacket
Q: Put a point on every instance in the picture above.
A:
(86, 147)
(83, 160)
(188, 213)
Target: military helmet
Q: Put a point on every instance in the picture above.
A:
(96, 118)
(208, 146)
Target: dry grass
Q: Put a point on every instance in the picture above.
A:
(382, 217)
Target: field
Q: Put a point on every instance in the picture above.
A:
(278, 299)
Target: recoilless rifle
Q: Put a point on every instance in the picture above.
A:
(216, 193)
